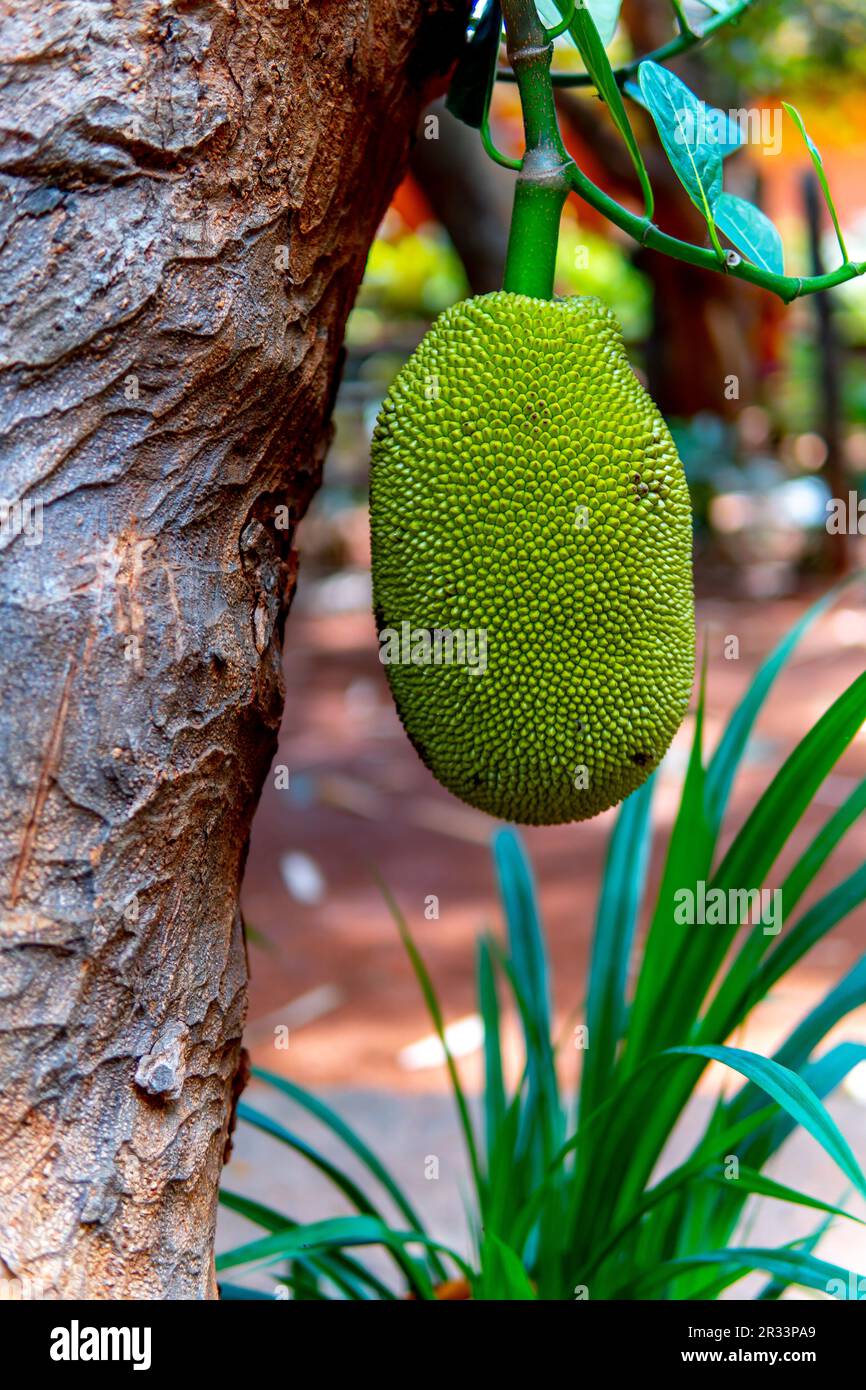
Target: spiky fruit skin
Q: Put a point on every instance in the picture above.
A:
(525, 485)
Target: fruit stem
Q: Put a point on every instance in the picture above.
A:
(532, 239)
(542, 187)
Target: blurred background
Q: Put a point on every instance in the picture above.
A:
(768, 406)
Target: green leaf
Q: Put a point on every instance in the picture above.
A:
(820, 918)
(525, 937)
(503, 1275)
(435, 1012)
(529, 975)
(751, 231)
(760, 840)
(683, 124)
(616, 918)
(773, 1291)
(729, 136)
(350, 1138)
(494, 1085)
(341, 1181)
(726, 760)
(822, 1077)
(236, 1293)
(846, 996)
(255, 1211)
(472, 84)
(336, 1234)
(337, 1267)
(818, 851)
(712, 1147)
(688, 859)
(592, 51)
(750, 978)
(818, 165)
(792, 1093)
(794, 1266)
(757, 1184)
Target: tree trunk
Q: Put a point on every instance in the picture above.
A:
(189, 192)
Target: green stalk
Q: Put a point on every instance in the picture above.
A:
(542, 187)
(787, 287)
(532, 240)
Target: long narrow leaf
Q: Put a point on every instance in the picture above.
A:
(795, 1266)
(350, 1138)
(432, 1002)
(618, 905)
(792, 1093)
(585, 35)
(723, 765)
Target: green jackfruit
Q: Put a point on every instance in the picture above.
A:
(531, 538)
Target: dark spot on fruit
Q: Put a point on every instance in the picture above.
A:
(640, 758)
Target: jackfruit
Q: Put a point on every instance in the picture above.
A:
(531, 540)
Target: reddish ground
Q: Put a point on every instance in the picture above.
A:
(359, 798)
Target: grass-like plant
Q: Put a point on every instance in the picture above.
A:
(566, 1204)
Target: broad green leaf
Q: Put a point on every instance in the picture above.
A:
(683, 124)
(728, 136)
(751, 231)
(818, 165)
(616, 918)
(592, 51)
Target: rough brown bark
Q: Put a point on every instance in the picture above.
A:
(188, 194)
